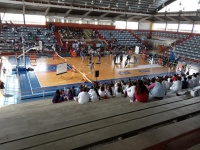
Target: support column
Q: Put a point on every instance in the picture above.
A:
(192, 28)
(139, 25)
(178, 26)
(126, 25)
(24, 19)
(166, 27)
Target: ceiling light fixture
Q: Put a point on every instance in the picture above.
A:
(100, 1)
(92, 2)
(127, 3)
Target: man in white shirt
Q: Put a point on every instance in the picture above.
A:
(158, 91)
(177, 86)
(190, 82)
(130, 91)
(195, 79)
(83, 97)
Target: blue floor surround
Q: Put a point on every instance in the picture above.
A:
(30, 86)
(37, 91)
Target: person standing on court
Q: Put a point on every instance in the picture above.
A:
(4, 71)
(90, 58)
(91, 67)
(114, 59)
(2, 86)
(128, 58)
(121, 58)
(135, 59)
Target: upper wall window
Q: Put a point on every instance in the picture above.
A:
(35, 19)
(183, 5)
(14, 18)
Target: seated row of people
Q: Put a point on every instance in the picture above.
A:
(61, 95)
(137, 90)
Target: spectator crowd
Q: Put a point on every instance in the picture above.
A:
(142, 90)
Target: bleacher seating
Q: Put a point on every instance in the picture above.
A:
(190, 48)
(108, 124)
(30, 40)
(141, 33)
(169, 35)
(124, 38)
(71, 33)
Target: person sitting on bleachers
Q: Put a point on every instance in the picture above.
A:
(91, 90)
(159, 91)
(190, 82)
(198, 75)
(151, 86)
(109, 91)
(166, 82)
(174, 77)
(70, 95)
(130, 90)
(177, 86)
(94, 95)
(141, 93)
(118, 90)
(38, 31)
(56, 98)
(195, 79)
(63, 96)
(102, 92)
(184, 83)
(74, 91)
(83, 97)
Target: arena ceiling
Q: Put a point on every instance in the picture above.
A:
(126, 10)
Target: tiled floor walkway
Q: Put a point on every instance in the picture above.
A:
(11, 94)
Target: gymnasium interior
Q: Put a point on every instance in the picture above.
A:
(51, 45)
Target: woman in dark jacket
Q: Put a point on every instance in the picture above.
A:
(56, 98)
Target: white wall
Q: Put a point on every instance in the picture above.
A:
(145, 26)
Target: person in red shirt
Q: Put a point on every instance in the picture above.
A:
(141, 93)
(174, 77)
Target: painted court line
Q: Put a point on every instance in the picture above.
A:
(29, 82)
(141, 67)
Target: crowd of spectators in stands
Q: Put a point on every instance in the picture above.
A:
(94, 34)
(72, 32)
(142, 90)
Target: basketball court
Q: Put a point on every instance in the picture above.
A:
(45, 70)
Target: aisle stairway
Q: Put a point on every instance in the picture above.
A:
(58, 38)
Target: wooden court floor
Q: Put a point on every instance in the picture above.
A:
(107, 70)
